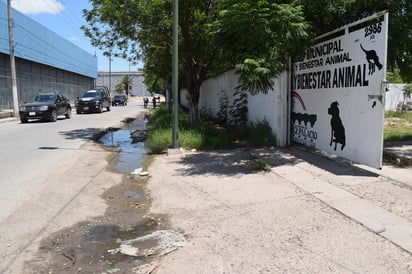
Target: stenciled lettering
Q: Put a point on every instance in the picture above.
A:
(344, 77)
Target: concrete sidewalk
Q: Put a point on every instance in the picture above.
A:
(309, 214)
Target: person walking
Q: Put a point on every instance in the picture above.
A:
(154, 102)
(145, 102)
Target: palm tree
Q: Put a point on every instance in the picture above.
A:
(127, 83)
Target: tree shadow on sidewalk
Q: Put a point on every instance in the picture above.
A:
(242, 161)
(234, 162)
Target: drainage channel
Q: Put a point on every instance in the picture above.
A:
(130, 143)
(126, 239)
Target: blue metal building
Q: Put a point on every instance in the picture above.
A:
(44, 61)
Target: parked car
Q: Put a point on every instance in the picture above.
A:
(95, 100)
(119, 99)
(46, 106)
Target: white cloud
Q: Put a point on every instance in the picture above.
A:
(37, 6)
(73, 38)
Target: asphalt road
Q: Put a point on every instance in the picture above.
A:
(36, 162)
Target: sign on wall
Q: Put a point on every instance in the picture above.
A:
(338, 92)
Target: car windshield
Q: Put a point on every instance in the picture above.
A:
(44, 98)
(118, 96)
(90, 94)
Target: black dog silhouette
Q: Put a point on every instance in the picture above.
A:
(372, 59)
(338, 131)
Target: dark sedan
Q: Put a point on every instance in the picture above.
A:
(46, 106)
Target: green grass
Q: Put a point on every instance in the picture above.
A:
(210, 135)
(207, 135)
(398, 126)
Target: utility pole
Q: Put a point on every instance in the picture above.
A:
(175, 85)
(12, 63)
(110, 73)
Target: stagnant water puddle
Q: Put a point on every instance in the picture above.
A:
(131, 150)
(126, 237)
(132, 153)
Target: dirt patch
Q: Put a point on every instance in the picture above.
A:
(83, 248)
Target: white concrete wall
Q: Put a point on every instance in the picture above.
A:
(273, 107)
(394, 96)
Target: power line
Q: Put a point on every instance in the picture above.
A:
(61, 13)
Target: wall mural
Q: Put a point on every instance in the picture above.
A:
(337, 92)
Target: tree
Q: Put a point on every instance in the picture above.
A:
(254, 36)
(407, 91)
(103, 32)
(260, 36)
(119, 88)
(201, 55)
(127, 82)
(150, 23)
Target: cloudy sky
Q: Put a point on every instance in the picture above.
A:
(64, 17)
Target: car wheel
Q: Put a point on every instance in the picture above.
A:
(53, 116)
(78, 111)
(23, 120)
(68, 113)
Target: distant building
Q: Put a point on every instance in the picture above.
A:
(44, 61)
(138, 88)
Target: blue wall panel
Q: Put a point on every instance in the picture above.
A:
(36, 43)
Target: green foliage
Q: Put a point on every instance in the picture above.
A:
(393, 76)
(214, 36)
(205, 113)
(238, 111)
(260, 165)
(254, 36)
(119, 88)
(407, 116)
(398, 126)
(407, 90)
(255, 75)
(127, 82)
(222, 114)
(159, 140)
(207, 135)
(261, 134)
(259, 37)
(106, 31)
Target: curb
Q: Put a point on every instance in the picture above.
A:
(5, 114)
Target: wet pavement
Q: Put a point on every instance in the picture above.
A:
(131, 155)
(88, 247)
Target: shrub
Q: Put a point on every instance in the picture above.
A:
(261, 134)
(159, 140)
(207, 135)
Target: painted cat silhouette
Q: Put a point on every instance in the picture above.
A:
(372, 59)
